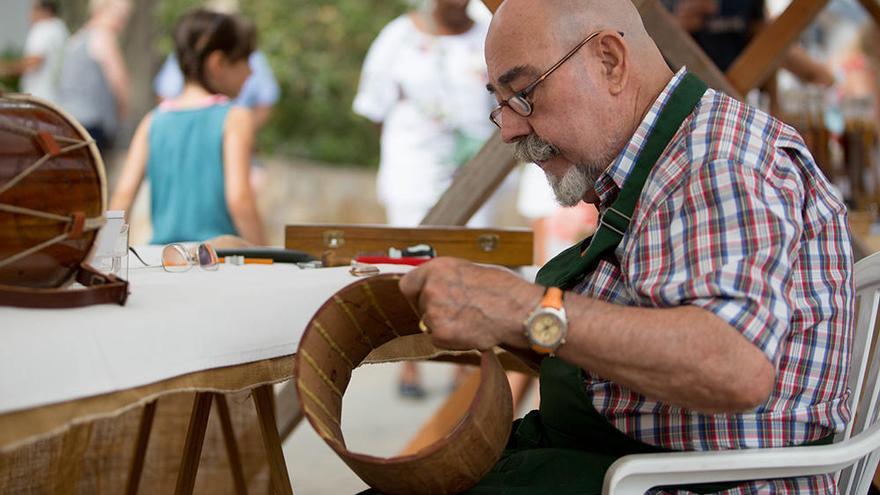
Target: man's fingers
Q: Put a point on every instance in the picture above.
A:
(411, 285)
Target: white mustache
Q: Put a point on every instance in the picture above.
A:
(534, 149)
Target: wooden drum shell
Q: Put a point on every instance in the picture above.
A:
(70, 182)
(358, 319)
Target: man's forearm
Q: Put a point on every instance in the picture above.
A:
(683, 356)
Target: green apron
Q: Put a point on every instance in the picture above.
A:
(567, 446)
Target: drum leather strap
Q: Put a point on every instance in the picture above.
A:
(98, 289)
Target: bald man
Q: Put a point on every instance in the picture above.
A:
(713, 308)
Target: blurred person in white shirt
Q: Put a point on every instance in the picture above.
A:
(40, 64)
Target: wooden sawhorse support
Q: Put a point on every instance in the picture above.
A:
(264, 401)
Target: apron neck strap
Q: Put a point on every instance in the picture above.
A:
(574, 264)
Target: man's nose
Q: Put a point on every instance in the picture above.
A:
(514, 126)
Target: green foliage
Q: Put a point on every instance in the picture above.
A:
(316, 48)
(9, 82)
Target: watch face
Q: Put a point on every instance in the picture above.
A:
(546, 330)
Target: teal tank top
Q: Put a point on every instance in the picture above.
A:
(185, 169)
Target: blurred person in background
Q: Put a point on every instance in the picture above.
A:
(260, 92)
(196, 148)
(95, 87)
(40, 64)
(423, 84)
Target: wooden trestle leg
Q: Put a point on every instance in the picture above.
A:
(231, 445)
(195, 437)
(140, 449)
(264, 401)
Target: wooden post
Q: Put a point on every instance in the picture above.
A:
(263, 400)
(231, 445)
(287, 411)
(195, 437)
(140, 448)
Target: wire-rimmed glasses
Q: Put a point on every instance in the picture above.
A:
(519, 102)
(178, 258)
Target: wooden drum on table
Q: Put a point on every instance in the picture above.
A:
(53, 193)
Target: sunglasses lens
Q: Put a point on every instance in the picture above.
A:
(207, 257)
(520, 105)
(174, 258)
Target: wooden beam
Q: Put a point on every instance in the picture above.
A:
(873, 9)
(288, 413)
(140, 448)
(679, 47)
(473, 184)
(232, 451)
(767, 50)
(195, 438)
(264, 400)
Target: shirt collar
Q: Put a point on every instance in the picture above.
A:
(612, 179)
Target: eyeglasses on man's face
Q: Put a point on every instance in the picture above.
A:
(519, 102)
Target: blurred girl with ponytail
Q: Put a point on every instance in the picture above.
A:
(196, 148)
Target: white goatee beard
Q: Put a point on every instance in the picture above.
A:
(571, 188)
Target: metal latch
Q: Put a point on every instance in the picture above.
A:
(488, 242)
(334, 239)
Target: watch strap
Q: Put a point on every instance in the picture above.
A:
(552, 298)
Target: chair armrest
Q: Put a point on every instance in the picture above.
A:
(635, 474)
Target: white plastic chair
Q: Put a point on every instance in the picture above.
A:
(853, 456)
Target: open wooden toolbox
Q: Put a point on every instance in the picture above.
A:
(340, 243)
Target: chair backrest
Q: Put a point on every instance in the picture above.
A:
(863, 373)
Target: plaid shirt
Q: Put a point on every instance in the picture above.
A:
(736, 218)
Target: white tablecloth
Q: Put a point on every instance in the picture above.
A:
(173, 324)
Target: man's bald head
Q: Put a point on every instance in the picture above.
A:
(561, 24)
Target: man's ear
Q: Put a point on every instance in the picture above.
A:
(614, 55)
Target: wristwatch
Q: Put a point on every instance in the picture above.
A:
(547, 326)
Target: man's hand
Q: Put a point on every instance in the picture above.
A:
(692, 14)
(467, 306)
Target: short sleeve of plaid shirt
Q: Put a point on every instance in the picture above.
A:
(754, 241)
(735, 234)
